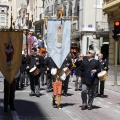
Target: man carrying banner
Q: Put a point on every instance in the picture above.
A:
(9, 93)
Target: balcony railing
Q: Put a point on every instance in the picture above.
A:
(102, 27)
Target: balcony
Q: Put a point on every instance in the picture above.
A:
(111, 5)
(102, 28)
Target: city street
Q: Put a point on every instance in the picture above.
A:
(40, 108)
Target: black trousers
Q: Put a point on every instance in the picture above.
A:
(42, 77)
(49, 80)
(90, 91)
(9, 93)
(65, 84)
(34, 81)
(102, 85)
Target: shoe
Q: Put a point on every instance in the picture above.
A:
(80, 89)
(75, 89)
(83, 107)
(89, 108)
(37, 94)
(48, 90)
(12, 108)
(59, 107)
(65, 94)
(45, 83)
(102, 96)
(32, 93)
(54, 104)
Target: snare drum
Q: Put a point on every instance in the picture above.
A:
(66, 70)
(34, 71)
(103, 75)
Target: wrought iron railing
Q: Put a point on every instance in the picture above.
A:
(102, 26)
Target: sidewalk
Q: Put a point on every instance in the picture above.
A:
(109, 84)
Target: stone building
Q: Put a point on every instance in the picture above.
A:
(112, 9)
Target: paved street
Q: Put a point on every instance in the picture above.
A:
(34, 108)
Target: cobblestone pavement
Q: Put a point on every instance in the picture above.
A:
(40, 108)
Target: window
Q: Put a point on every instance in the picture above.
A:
(2, 17)
(2, 24)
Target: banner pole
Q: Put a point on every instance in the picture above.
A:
(11, 20)
(27, 44)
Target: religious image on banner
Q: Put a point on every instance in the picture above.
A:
(9, 50)
(59, 36)
(58, 39)
(10, 53)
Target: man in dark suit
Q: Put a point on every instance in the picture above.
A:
(9, 93)
(104, 66)
(67, 63)
(38, 61)
(88, 72)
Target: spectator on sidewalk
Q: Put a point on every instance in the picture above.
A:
(104, 66)
(88, 73)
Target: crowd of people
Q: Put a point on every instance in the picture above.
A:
(38, 64)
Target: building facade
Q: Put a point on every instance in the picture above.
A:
(89, 24)
(38, 17)
(4, 7)
(112, 9)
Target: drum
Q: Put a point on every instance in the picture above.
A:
(103, 75)
(66, 70)
(34, 71)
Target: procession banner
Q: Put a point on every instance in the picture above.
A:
(10, 53)
(58, 39)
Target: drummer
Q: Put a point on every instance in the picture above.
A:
(35, 61)
(104, 66)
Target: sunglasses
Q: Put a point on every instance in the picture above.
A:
(89, 53)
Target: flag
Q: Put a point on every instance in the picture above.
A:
(10, 53)
(58, 39)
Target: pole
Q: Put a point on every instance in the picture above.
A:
(11, 20)
(27, 44)
(116, 55)
(53, 7)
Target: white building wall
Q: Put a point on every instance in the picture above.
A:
(37, 9)
(90, 12)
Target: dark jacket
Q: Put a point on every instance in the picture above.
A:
(103, 64)
(24, 63)
(67, 61)
(77, 69)
(85, 71)
(49, 63)
(34, 59)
